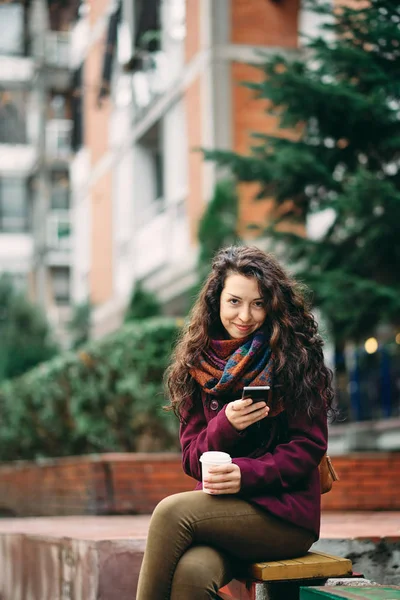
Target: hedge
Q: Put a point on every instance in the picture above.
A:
(108, 396)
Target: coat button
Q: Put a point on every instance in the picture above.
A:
(214, 405)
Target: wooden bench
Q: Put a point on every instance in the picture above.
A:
(282, 579)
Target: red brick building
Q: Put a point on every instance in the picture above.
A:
(172, 86)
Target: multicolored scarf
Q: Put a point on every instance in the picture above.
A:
(229, 365)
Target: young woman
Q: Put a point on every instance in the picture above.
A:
(250, 326)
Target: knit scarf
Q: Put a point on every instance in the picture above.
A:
(229, 365)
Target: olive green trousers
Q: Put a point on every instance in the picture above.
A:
(197, 543)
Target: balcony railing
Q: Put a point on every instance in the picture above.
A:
(59, 231)
(58, 138)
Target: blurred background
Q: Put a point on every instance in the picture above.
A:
(139, 136)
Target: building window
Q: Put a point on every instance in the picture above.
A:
(13, 110)
(158, 175)
(109, 52)
(14, 206)
(150, 167)
(77, 110)
(11, 28)
(59, 190)
(59, 106)
(58, 138)
(60, 282)
(147, 25)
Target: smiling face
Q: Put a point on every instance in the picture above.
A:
(242, 308)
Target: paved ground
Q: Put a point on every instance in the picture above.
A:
(360, 525)
(335, 525)
(100, 557)
(81, 528)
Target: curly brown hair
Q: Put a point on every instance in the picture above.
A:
(301, 377)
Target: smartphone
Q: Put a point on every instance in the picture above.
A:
(256, 392)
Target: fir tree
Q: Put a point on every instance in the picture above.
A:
(341, 97)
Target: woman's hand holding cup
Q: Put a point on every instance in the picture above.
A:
(243, 413)
(219, 475)
(222, 479)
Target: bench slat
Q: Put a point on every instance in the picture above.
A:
(314, 558)
(312, 565)
(330, 556)
(304, 560)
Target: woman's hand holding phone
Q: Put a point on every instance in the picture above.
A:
(244, 412)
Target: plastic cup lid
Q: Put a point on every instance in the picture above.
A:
(217, 457)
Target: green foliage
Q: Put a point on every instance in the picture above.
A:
(79, 325)
(343, 97)
(143, 305)
(103, 398)
(24, 333)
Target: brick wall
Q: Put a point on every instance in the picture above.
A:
(193, 28)
(249, 115)
(368, 481)
(91, 485)
(262, 23)
(96, 129)
(135, 483)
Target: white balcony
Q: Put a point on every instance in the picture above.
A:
(153, 236)
(16, 252)
(58, 139)
(17, 159)
(15, 69)
(167, 239)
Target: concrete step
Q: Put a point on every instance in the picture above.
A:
(98, 558)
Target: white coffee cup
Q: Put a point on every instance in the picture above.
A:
(211, 459)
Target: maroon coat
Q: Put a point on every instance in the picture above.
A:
(278, 458)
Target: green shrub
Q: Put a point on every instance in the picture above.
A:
(106, 397)
(143, 305)
(24, 332)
